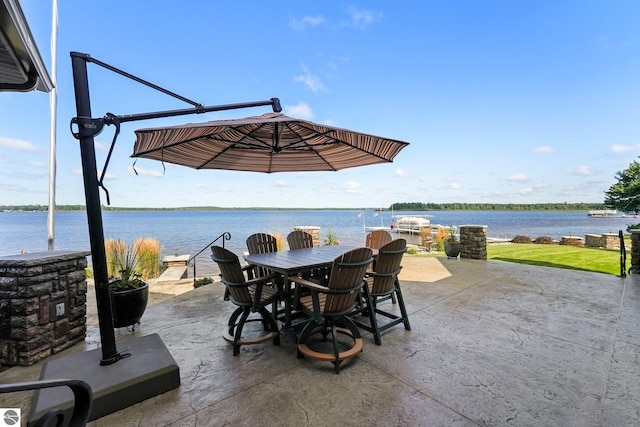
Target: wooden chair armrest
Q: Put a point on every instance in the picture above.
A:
(308, 284)
(262, 280)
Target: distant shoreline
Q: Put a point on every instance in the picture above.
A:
(404, 207)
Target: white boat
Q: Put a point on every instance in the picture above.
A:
(602, 213)
(411, 224)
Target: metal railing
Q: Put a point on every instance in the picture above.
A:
(224, 236)
(623, 255)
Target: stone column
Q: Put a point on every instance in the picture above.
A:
(43, 305)
(635, 251)
(473, 239)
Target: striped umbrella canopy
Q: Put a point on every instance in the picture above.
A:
(269, 143)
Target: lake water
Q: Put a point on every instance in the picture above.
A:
(187, 232)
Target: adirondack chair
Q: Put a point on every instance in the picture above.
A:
(381, 283)
(377, 238)
(251, 296)
(328, 306)
(261, 243)
(299, 239)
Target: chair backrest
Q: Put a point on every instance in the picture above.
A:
(377, 239)
(299, 239)
(262, 243)
(231, 274)
(387, 266)
(347, 275)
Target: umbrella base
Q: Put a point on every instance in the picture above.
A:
(150, 371)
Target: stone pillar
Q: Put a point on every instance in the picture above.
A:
(635, 251)
(473, 239)
(611, 241)
(43, 305)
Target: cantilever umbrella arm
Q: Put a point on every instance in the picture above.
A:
(86, 129)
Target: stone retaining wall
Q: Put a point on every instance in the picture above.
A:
(473, 239)
(42, 305)
(605, 240)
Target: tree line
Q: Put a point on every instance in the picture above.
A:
(405, 206)
(417, 206)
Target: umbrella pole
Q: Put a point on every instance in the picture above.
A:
(94, 213)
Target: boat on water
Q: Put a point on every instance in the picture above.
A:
(602, 213)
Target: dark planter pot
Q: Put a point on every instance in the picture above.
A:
(128, 306)
(452, 249)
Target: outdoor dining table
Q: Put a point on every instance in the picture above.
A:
(297, 261)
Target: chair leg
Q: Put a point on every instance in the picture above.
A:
(375, 330)
(238, 332)
(273, 324)
(336, 349)
(403, 309)
(307, 331)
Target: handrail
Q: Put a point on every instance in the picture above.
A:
(224, 236)
(623, 255)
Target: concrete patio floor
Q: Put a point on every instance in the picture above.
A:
(492, 344)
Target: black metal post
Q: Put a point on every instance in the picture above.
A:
(94, 212)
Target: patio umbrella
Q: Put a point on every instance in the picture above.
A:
(269, 143)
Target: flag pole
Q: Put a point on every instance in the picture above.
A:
(53, 109)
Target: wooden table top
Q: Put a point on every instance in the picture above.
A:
(292, 261)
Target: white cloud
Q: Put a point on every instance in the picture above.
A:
(519, 177)
(543, 149)
(351, 186)
(582, 171)
(401, 172)
(312, 82)
(300, 110)
(41, 165)
(622, 149)
(300, 24)
(17, 144)
(361, 19)
(281, 183)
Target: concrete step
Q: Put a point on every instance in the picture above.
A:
(173, 274)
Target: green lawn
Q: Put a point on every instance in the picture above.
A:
(560, 256)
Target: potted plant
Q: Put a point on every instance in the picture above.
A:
(331, 238)
(452, 246)
(129, 292)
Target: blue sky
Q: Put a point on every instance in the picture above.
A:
(501, 101)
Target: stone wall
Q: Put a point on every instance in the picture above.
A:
(42, 305)
(473, 239)
(635, 251)
(605, 240)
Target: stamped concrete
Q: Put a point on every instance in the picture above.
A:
(492, 344)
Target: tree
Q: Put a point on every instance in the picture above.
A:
(624, 195)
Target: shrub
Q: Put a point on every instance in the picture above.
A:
(521, 239)
(441, 235)
(572, 242)
(202, 281)
(412, 250)
(142, 258)
(544, 240)
(331, 237)
(148, 250)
